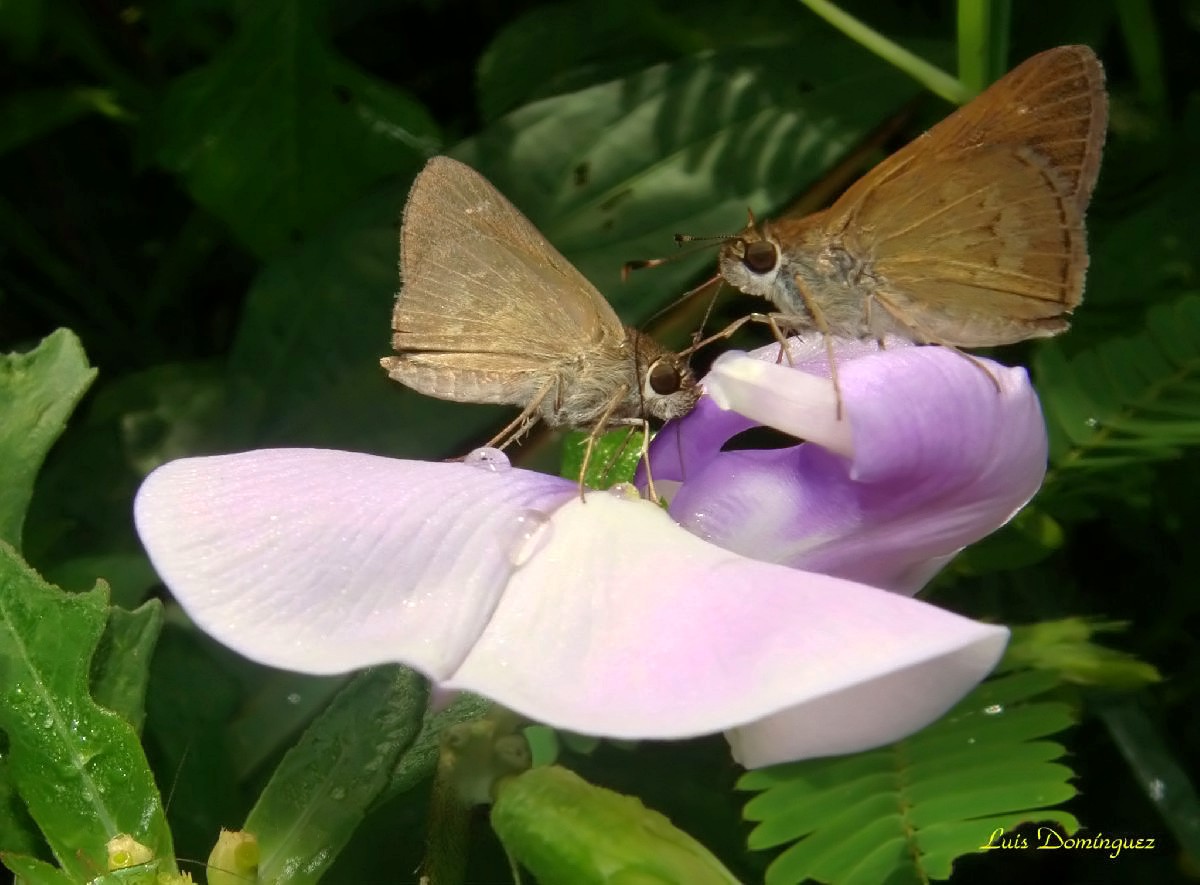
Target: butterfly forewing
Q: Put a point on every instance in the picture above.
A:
(982, 260)
(463, 247)
(1053, 103)
(974, 232)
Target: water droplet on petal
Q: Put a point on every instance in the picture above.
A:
(531, 534)
(625, 490)
(993, 709)
(294, 698)
(489, 459)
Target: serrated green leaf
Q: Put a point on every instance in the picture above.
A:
(325, 784)
(78, 767)
(130, 576)
(121, 666)
(38, 390)
(277, 132)
(569, 832)
(863, 818)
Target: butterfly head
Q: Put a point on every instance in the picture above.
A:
(751, 261)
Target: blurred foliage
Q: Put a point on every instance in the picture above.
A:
(207, 193)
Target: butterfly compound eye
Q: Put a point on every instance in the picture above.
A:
(760, 257)
(664, 379)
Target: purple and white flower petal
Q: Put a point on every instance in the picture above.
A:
(599, 616)
(935, 450)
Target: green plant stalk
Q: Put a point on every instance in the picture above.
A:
(930, 76)
(983, 42)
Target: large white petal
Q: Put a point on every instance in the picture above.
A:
(325, 561)
(624, 625)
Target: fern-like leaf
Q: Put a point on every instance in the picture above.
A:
(905, 812)
(1125, 402)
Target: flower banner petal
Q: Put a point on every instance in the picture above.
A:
(599, 616)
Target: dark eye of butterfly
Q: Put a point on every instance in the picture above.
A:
(664, 378)
(760, 257)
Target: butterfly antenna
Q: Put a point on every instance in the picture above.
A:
(680, 240)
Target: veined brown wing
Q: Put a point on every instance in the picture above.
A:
(1053, 103)
(477, 277)
(977, 250)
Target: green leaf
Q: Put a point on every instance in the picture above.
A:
(910, 809)
(32, 871)
(614, 457)
(22, 25)
(1154, 759)
(306, 360)
(543, 52)
(682, 147)
(1067, 649)
(27, 116)
(130, 576)
(420, 759)
(1125, 402)
(277, 132)
(18, 831)
(613, 172)
(565, 830)
(278, 708)
(326, 783)
(121, 667)
(79, 767)
(38, 390)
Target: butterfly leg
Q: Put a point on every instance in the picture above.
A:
(619, 450)
(615, 400)
(822, 326)
(722, 335)
(516, 428)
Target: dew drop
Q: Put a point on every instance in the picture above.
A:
(337, 794)
(1157, 789)
(993, 709)
(625, 490)
(489, 459)
(531, 534)
(293, 698)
